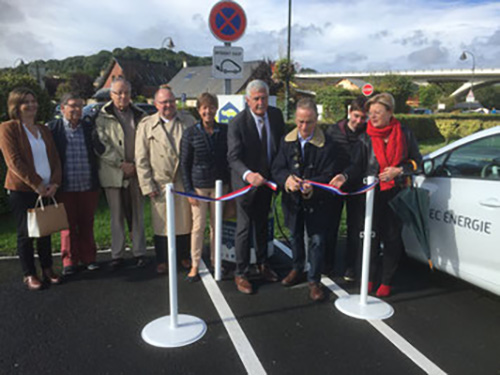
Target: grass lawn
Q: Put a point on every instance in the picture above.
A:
(102, 226)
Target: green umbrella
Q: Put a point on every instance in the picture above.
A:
(412, 206)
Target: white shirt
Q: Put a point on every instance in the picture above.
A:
(40, 157)
(259, 121)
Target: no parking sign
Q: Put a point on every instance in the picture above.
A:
(227, 21)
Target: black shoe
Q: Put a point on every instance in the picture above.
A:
(93, 266)
(141, 261)
(193, 279)
(349, 275)
(69, 270)
(117, 263)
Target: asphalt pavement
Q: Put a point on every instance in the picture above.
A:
(92, 324)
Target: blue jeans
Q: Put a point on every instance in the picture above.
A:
(316, 245)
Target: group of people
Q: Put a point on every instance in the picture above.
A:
(132, 156)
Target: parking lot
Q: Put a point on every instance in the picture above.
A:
(92, 325)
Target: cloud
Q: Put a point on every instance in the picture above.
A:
(27, 45)
(9, 13)
(417, 39)
(432, 55)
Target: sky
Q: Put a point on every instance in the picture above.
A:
(327, 35)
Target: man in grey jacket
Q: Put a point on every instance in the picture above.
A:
(116, 126)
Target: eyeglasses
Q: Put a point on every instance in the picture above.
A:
(121, 93)
(376, 113)
(172, 101)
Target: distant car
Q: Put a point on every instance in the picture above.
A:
(148, 108)
(420, 111)
(463, 179)
(94, 108)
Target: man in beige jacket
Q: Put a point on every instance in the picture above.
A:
(116, 128)
(157, 154)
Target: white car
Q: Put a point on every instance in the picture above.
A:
(463, 179)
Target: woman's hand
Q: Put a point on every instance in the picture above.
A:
(390, 173)
(51, 190)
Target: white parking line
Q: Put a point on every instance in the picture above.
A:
(395, 338)
(240, 341)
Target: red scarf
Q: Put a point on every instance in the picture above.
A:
(388, 154)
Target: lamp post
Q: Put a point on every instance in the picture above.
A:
(463, 57)
(287, 79)
(170, 44)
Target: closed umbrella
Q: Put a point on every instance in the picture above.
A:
(412, 206)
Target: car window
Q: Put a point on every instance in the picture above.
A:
(479, 159)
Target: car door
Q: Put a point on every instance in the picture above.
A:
(464, 214)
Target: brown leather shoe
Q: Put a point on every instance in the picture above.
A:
(316, 292)
(161, 268)
(32, 282)
(50, 277)
(267, 273)
(294, 277)
(243, 285)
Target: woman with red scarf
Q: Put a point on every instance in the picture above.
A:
(390, 152)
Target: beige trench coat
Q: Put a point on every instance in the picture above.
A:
(157, 160)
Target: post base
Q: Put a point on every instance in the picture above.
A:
(373, 310)
(159, 333)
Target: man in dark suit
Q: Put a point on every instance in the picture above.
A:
(253, 140)
(306, 154)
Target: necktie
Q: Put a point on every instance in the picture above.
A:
(263, 140)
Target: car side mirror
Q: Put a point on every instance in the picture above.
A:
(428, 167)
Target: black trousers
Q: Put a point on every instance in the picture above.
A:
(20, 202)
(182, 244)
(252, 213)
(335, 204)
(387, 227)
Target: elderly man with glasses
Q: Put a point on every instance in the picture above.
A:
(116, 127)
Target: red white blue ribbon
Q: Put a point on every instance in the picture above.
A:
(226, 197)
(333, 189)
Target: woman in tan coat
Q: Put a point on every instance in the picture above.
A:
(33, 169)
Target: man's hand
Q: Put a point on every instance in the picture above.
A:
(255, 179)
(193, 202)
(292, 183)
(153, 194)
(338, 180)
(128, 169)
(306, 189)
(390, 173)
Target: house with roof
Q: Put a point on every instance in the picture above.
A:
(145, 76)
(191, 81)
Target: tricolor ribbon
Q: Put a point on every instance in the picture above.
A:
(333, 189)
(226, 197)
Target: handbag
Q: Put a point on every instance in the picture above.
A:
(48, 219)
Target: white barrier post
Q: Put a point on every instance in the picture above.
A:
(218, 231)
(173, 330)
(363, 306)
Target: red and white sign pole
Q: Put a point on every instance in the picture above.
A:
(367, 89)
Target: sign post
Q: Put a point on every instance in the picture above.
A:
(227, 22)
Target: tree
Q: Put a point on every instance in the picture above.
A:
(335, 101)
(9, 81)
(488, 96)
(399, 86)
(79, 83)
(429, 95)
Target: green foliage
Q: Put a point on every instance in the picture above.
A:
(79, 83)
(429, 95)
(399, 86)
(488, 96)
(335, 101)
(283, 69)
(9, 81)
(447, 127)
